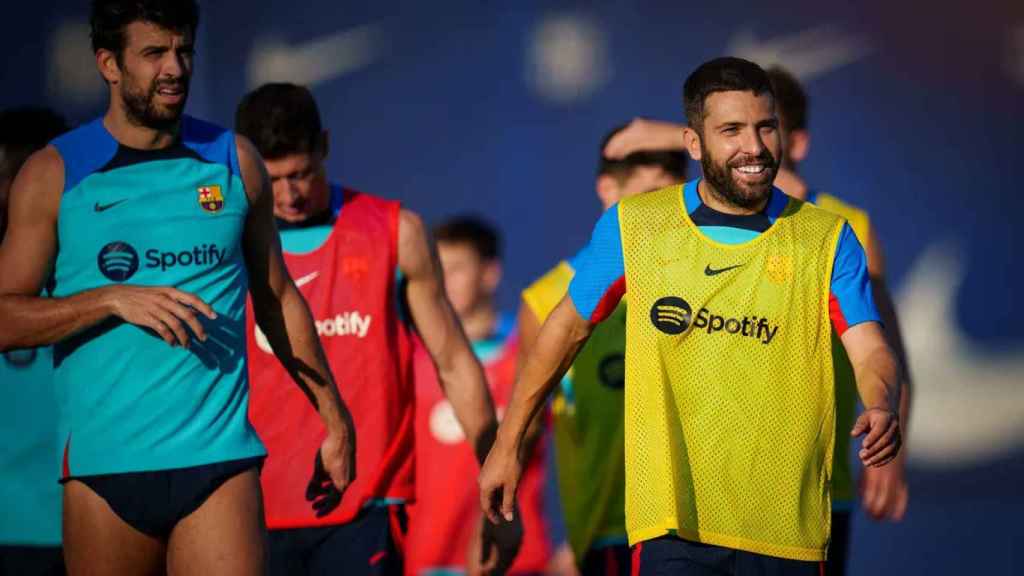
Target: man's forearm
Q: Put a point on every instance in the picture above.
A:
(30, 321)
(292, 334)
(878, 380)
(887, 310)
(560, 339)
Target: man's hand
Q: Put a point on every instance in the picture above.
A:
(499, 478)
(642, 134)
(883, 439)
(333, 471)
(166, 311)
(883, 491)
(493, 547)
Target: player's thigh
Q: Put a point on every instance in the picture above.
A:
(225, 535)
(98, 542)
(366, 546)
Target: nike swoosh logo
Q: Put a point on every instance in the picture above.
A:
(318, 60)
(306, 279)
(102, 207)
(807, 54)
(709, 271)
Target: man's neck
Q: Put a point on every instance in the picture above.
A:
(481, 323)
(710, 196)
(791, 183)
(134, 136)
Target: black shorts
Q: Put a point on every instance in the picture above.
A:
(31, 560)
(154, 502)
(371, 544)
(607, 561)
(669, 555)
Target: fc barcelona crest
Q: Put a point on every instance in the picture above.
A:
(210, 198)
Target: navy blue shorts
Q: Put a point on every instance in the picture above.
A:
(32, 560)
(670, 555)
(154, 502)
(607, 561)
(371, 544)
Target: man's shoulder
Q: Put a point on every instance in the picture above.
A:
(83, 150)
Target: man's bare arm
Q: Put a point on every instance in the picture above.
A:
(26, 261)
(884, 491)
(284, 317)
(877, 373)
(459, 372)
(560, 339)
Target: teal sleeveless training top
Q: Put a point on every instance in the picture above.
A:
(170, 217)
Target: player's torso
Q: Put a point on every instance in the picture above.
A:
(171, 217)
(447, 508)
(349, 284)
(729, 363)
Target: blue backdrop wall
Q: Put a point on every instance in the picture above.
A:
(499, 108)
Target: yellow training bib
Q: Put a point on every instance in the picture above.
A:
(730, 415)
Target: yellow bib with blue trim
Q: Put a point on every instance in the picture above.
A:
(730, 414)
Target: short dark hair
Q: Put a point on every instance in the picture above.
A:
(110, 17)
(472, 230)
(721, 75)
(790, 99)
(280, 119)
(23, 131)
(671, 161)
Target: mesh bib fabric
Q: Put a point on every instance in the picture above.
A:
(730, 413)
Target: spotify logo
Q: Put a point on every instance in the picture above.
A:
(118, 261)
(671, 315)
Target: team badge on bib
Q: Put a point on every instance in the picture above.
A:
(210, 198)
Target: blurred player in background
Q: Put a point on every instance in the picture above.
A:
(30, 524)
(163, 223)
(347, 251)
(729, 388)
(883, 489)
(447, 514)
(587, 411)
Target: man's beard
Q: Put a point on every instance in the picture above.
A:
(724, 183)
(142, 111)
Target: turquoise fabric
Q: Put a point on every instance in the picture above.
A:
(170, 217)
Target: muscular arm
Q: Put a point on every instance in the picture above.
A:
(280, 309)
(884, 492)
(877, 373)
(560, 338)
(459, 372)
(26, 260)
(887, 309)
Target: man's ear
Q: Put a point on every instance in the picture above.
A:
(106, 63)
(691, 138)
(607, 190)
(798, 146)
(492, 276)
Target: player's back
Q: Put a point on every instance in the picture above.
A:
(447, 509)
(168, 217)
